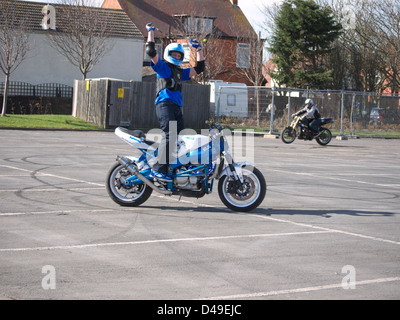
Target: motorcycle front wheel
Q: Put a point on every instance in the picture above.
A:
(244, 197)
(324, 137)
(288, 135)
(131, 195)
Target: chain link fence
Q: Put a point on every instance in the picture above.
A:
(270, 109)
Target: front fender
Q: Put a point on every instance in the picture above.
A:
(238, 168)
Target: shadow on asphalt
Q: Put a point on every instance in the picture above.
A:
(322, 213)
(277, 212)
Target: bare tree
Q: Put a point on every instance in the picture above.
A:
(14, 45)
(270, 11)
(355, 65)
(385, 38)
(84, 35)
(201, 27)
(371, 39)
(214, 48)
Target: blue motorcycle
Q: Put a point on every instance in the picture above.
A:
(200, 159)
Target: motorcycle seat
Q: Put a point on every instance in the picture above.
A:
(151, 143)
(137, 133)
(142, 136)
(326, 120)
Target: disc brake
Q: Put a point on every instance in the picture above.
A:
(242, 191)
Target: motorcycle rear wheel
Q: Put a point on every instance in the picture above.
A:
(247, 197)
(325, 137)
(131, 196)
(288, 135)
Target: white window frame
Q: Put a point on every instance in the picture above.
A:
(208, 24)
(243, 55)
(196, 24)
(186, 48)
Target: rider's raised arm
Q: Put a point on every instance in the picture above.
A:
(200, 60)
(150, 44)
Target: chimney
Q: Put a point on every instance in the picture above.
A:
(234, 3)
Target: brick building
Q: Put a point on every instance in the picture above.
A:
(228, 37)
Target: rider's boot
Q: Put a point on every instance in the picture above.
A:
(160, 172)
(300, 136)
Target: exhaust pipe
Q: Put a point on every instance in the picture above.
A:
(127, 164)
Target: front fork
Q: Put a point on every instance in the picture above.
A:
(237, 176)
(294, 125)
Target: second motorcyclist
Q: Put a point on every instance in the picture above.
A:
(309, 116)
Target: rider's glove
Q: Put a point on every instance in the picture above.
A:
(194, 43)
(150, 26)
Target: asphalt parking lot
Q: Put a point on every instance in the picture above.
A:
(329, 227)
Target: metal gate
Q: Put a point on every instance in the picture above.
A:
(120, 111)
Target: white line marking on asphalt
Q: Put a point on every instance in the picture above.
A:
(300, 290)
(259, 216)
(130, 243)
(15, 175)
(307, 225)
(337, 179)
(59, 212)
(42, 174)
(329, 229)
(33, 189)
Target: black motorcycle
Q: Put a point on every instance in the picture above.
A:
(323, 136)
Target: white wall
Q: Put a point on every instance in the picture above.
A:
(45, 65)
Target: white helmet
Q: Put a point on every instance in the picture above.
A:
(174, 47)
(309, 101)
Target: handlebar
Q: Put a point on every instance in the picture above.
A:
(214, 125)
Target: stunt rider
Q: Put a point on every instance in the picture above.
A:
(310, 115)
(169, 94)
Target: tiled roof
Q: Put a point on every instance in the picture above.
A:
(120, 24)
(230, 21)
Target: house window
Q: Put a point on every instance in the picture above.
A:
(186, 48)
(208, 24)
(193, 25)
(243, 55)
(196, 24)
